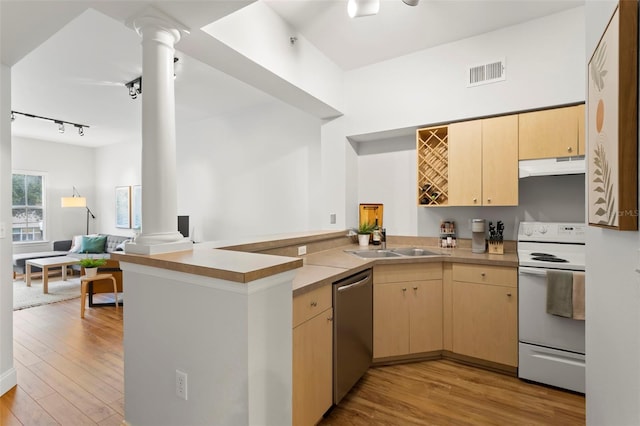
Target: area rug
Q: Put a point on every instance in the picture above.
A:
(27, 297)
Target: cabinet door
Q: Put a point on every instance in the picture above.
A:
(581, 144)
(548, 133)
(465, 163)
(485, 322)
(313, 369)
(425, 323)
(390, 319)
(500, 161)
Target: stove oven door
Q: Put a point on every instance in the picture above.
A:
(535, 325)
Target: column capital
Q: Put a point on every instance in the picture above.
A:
(155, 20)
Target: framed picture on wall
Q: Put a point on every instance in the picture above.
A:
(136, 206)
(123, 207)
(612, 123)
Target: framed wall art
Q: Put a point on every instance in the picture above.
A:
(612, 123)
(123, 207)
(136, 207)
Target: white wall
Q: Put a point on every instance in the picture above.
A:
(612, 299)
(65, 166)
(8, 377)
(116, 165)
(254, 172)
(544, 66)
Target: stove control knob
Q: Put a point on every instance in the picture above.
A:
(528, 231)
(543, 229)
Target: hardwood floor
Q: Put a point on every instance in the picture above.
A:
(444, 392)
(71, 372)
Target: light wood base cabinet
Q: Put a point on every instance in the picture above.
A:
(484, 313)
(407, 314)
(312, 355)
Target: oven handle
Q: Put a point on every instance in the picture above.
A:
(524, 270)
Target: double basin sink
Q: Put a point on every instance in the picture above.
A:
(394, 252)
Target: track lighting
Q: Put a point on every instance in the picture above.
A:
(135, 85)
(60, 123)
(411, 2)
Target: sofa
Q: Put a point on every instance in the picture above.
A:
(72, 248)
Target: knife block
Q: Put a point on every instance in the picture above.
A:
(496, 247)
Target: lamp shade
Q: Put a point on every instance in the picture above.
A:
(357, 8)
(73, 202)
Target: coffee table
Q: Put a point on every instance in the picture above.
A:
(47, 263)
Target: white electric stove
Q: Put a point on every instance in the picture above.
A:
(551, 348)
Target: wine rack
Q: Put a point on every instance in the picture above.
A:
(433, 162)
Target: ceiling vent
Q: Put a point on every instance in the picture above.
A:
(486, 73)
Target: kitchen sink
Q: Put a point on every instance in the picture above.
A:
(371, 254)
(413, 251)
(395, 252)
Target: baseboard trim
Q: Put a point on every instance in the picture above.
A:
(8, 380)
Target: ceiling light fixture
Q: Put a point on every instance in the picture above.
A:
(358, 8)
(135, 85)
(60, 123)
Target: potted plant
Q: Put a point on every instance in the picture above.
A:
(91, 265)
(364, 233)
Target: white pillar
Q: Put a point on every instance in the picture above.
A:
(159, 188)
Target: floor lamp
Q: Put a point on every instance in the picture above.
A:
(76, 200)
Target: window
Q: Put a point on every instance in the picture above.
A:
(28, 207)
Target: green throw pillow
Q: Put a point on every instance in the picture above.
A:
(92, 244)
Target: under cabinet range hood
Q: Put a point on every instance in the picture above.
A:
(552, 166)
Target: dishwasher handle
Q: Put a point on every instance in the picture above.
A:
(356, 284)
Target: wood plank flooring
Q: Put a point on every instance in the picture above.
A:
(70, 372)
(444, 392)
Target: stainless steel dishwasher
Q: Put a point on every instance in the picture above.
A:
(352, 331)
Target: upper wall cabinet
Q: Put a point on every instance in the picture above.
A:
(551, 133)
(483, 162)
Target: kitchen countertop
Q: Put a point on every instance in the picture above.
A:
(312, 270)
(327, 266)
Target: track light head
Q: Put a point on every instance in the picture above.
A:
(135, 87)
(411, 2)
(80, 130)
(60, 126)
(13, 116)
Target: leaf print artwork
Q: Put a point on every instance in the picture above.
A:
(598, 73)
(603, 187)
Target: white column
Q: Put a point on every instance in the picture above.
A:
(159, 188)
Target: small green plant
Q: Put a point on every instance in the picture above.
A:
(366, 228)
(90, 262)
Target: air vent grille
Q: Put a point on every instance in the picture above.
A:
(486, 73)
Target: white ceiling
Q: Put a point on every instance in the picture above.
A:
(77, 74)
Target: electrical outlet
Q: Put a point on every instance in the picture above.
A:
(3, 230)
(181, 384)
(332, 218)
(302, 250)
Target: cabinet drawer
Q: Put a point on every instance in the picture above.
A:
(485, 274)
(406, 272)
(308, 305)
